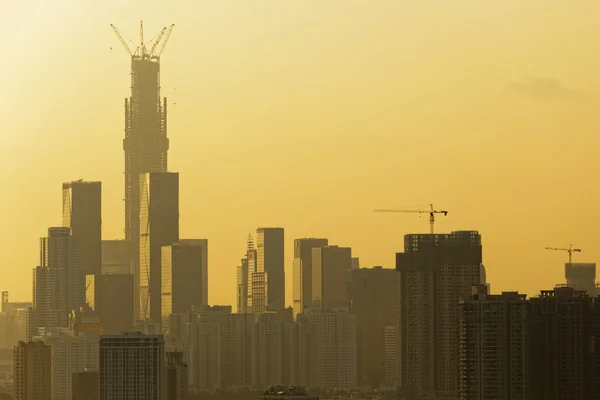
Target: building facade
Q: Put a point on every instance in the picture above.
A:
(271, 260)
(302, 275)
(32, 371)
(331, 267)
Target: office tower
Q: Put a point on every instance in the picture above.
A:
(275, 357)
(117, 257)
(303, 272)
(374, 293)
(85, 385)
(70, 354)
(260, 293)
(251, 260)
(331, 267)
(145, 143)
(326, 346)
(495, 346)
(271, 259)
(32, 376)
(131, 366)
(581, 276)
(159, 226)
(436, 271)
(242, 287)
(182, 273)
(565, 360)
(390, 354)
(82, 214)
(116, 302)
(176, 375)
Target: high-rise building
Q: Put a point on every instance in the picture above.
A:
(146, 143)
(117, 257)
(260, 293)
(159, 226)
(275, 358)
(374, 293)
(182, 271)
(271, 259)
(115, 304)
(581, 276)
(242, 287)
(85, 385)
(176, 376)
(302, 280)
(82, 214)
(495, 346)
(32, 376)
(391, 357)
(58, 253)
(331, 267)
(326, 346)
(131, 366)
(436, 271)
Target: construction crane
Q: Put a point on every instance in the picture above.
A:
(569, 250)
(141, 51)
(431, 213)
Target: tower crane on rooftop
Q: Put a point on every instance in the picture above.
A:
(569, 250)
(432, 211)
(141, 50)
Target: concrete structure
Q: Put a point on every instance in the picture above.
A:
(331, 267)
(436, 271)
(302, 275)
(82, 214)
(131, 367)
(32, 376)
(116, 302)
(117, 257)
(495, 346)
(326, 348)
(271, 260)
(159, 226)
(581, 276)
(85, 385)
(182, 271)
(391, 356)
(374, 294)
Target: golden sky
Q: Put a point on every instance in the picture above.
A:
(308, 115)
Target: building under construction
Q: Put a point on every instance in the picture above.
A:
(146, 143)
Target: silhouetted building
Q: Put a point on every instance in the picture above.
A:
(436, 271)
(176, 375)
(270, 259)
(82, 214)
(242, 287)
(117, 257)
(131, 366)
(581, 276)
(391, 356)
(116, 302)
(302, 279)
(85, 385)
(182, 271)
(159, 226)
(331, 267)
(275, 341)
(374, 293)
(145, 142)
(326, 348)
(495, 346)
(32, 376)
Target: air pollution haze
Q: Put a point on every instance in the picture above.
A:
(309, 115)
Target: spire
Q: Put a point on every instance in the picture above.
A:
(250, 242)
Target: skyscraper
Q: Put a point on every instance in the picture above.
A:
(331, 267)
(115, 303)
(159, 218)
(32, 375)
(436, 271)
(303, 269)
(176, 376)
(242, 286)
(271, 259)
(131, 366)
(581, 276)
(117, 257)
(182, 270)
(374, 302)
(495, 346)
(82, 214)
(275, 359)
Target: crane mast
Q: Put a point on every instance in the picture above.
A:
(569, 250)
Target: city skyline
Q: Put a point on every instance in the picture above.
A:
(208, 182)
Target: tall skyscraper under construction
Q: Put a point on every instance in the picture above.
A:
(146, 141)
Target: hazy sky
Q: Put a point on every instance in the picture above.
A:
(308, 115)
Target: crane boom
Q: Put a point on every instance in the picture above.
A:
(123, 42)
(157, 41)
(569, 250)
(431, 213)
(162, 48)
